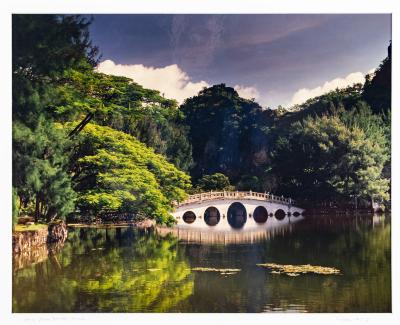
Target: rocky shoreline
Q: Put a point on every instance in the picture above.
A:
(35, 246)
(23, 241)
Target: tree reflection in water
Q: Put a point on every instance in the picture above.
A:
(124, 270)
(114, 270)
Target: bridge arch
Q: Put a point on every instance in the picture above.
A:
(237, 215)
(212, 216)
(260, 214)
(212, 209)
(189, 217)
(280, 214)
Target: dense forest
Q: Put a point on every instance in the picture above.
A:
(88, 144)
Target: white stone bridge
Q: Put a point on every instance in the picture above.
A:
(233, 210)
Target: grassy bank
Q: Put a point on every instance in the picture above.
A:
(35, 227)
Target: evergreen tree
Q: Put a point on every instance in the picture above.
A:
(44, 46)
(40, 169)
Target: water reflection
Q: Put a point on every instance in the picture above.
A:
(237, 215)
(125, 270)
(212, 216)
(114, 270)
(260, 215)
(272, 227)
(37, 255)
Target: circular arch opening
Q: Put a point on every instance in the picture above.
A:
(296, 214)
(212, 216)
(237, 215)
(260, 214)
(189, 217)
(280, 214)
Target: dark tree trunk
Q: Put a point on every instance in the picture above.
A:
(81, 125)
(51, 214)
(37, 209)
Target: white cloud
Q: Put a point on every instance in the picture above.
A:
(247, 92)
(171, 80)
(301, 95)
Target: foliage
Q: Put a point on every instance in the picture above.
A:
(148, 272)
(249, 182)
(122, 104)
(53, 79)
(215, 182)
(227, 132)
(43, 47)
(39, 172)
(324, 158)
(114, 172)
(377, 90)
(15, 207)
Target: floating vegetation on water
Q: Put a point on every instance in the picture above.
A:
(275, 272)
(221, 271)
(293, 274)
(295, 270)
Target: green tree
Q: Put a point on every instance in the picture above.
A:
(40, 169)
(122, 104)
(323, 158)
(249, 182)
(377, 89)
(227, 133)
(44, 46)
(114, 172)
(214, 182)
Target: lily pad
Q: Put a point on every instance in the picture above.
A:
(295, 270)
(221, 271)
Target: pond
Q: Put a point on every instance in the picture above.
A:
(127, 270)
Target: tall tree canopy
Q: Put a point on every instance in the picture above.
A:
(339, 156)
(122, 104)
(54, 81)
(227, 132)
(114, 172)
(214, 182)
(43, 47)
(378, 86)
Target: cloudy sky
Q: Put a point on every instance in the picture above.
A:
(276, 59)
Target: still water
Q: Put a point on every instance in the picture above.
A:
(127, 270)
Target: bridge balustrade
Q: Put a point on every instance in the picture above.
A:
(206, 196)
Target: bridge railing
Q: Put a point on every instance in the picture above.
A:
(207, 196)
